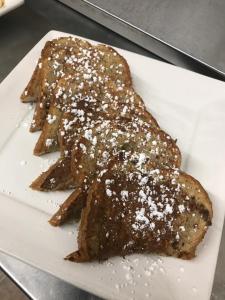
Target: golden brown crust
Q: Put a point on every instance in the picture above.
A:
(55, 178)
(48, 139)
(89, 232)
(71, 207)
(39, 116)
(31, 91)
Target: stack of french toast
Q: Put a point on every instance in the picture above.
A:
(123, 170)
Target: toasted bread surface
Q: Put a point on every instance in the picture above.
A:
(134, 140)
(162, 211)
(72, 207)
(55, 178)
(89, 64)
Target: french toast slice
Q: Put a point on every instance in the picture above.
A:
(32, 90)
(68, 137)
(96, 105)
(48, 139)
(137, 142)
(76, 54)
(69, 208)
(128, 138)
(162, 210)
(55, 178)
(96, 65)
(60, 58)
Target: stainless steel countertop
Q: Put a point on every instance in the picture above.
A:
(194, 27)
(178, 31)
(20, 30)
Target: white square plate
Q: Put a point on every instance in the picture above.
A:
(10, 5)
(191, 108)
